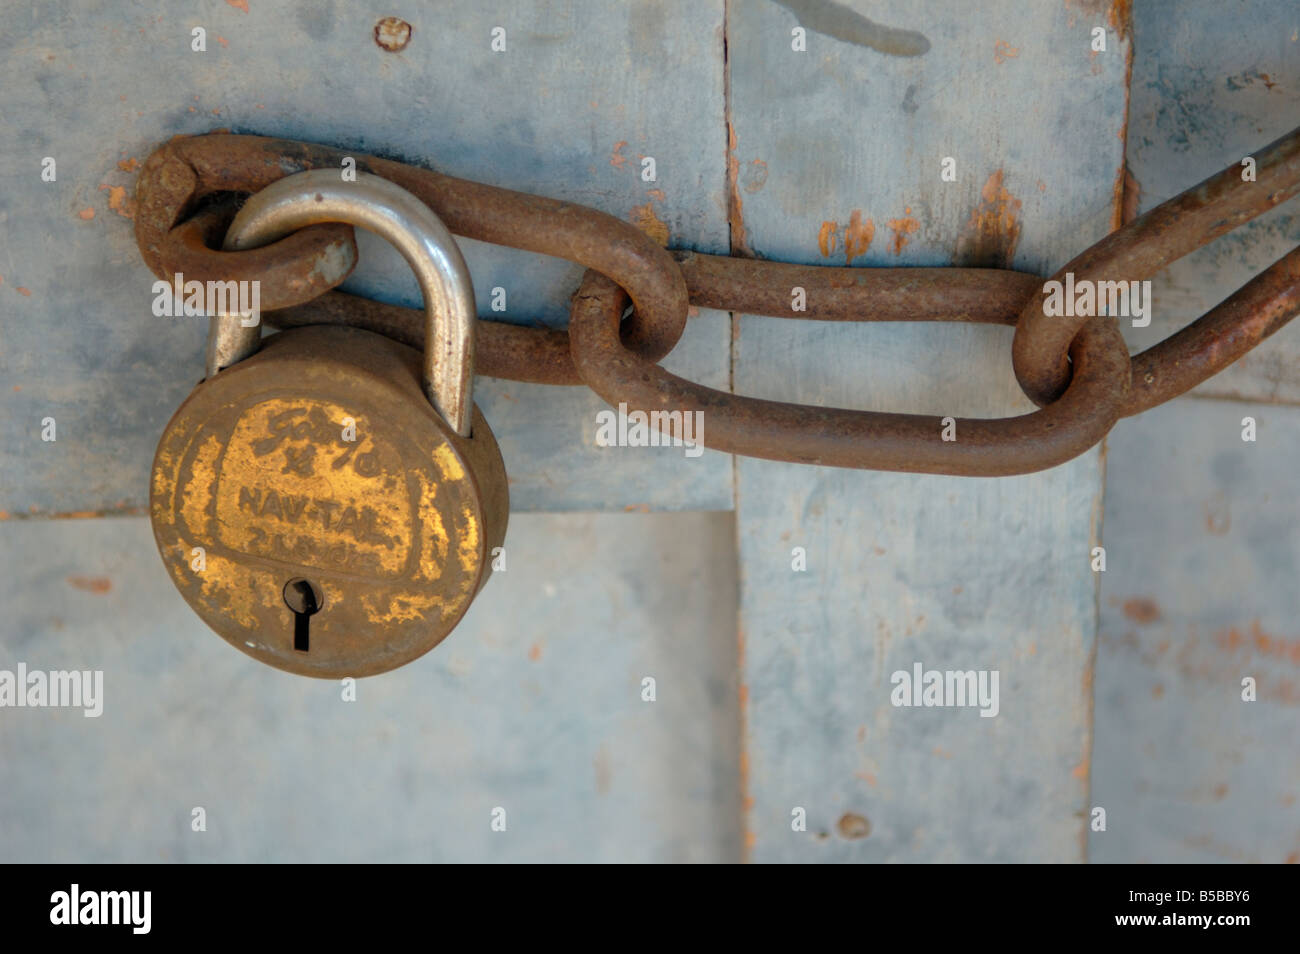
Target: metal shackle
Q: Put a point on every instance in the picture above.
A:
(389, 211)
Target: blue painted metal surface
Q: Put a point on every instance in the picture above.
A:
(956, 574)
(535, 705)
(581, 91)
(1202, 531)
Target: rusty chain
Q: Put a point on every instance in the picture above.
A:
(1076, 368)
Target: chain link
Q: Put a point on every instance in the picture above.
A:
(1076, 368)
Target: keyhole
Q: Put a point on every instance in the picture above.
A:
(304, 598)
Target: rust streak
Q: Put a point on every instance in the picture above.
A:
(735, 205)
(993, 230)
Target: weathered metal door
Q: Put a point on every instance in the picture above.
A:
(683, 656)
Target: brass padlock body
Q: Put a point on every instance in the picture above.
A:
(256, 487)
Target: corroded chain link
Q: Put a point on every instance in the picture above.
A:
(1072, 362)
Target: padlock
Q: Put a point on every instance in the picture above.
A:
(320, 502)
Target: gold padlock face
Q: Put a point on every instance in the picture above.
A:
(317, 512)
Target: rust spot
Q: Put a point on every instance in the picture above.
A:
(755, 175)
(1157, 691)
(1220, 791)
(644, 218)
(828, 238)
(128, 165)
(1254, 639)
(637, 508)
(1293, 858)
(656, 194)
(98, 585)
(25, 292)
(86, 214)
(1003, 51)
(392, 34)
(535, 652)
(735, 205)
(853, 826)
(902, 228)
(1218, 519)
(1142, 609)
(119, 201)
(239, 4)
(857, 236)
(616, 158)
(224, 42)
(993, 231)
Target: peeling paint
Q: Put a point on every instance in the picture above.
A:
(392, 34)
(119, 201)
(644, 218)
(616, 157)
(828, 238)
(902, 228)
